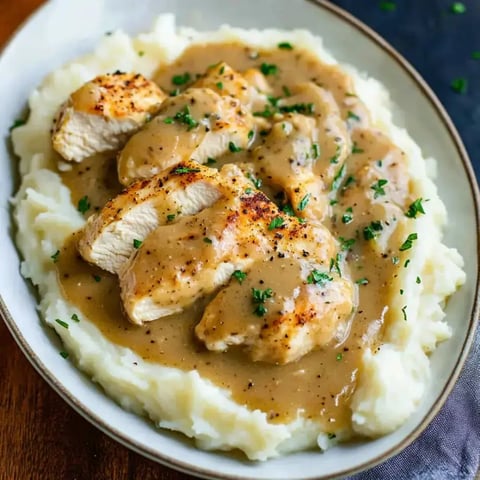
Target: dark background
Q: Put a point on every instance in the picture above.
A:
(439, 44)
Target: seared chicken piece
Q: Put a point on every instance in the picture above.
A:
(250, 88)
(198, 124)
(102, 114)
(305, 151)
(303, 308)
(179, 263)
(108, 239)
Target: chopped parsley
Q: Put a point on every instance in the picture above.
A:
(337, 179)
(315, 150)
(353, 116)
(339, 357)
(83, 205)
(334, 159)
(404, 312)
(256, 181)
(388, 6)
(97, 278)
(239, 276)
(63, 354)
(183, 116)
(62, 323)
(305, 108)
(267, 112)
(285, 46)
(175, 92)
(415, 208)
(347, 217)
(418, 280)
(458, 8)
(276, 222)
(268, 68)
(207, 240)
(288, 209)
(168, 120)
(408, 243)
(407, 262)
(251, 133)
(170, 217)
(181, 79)
(259, 297)
(17, 123)
(318, 278)
(355, 148)
(287, 91)
(211, 161)
(459, 85)
(233, 148)
(137, 243)
(378, 187)
(334, 264)
(55, 256)
(180, 170)
(75, 318)
(303, 202)
(370, 232)
(476, 55)
(219, 85)
(362, 281)
(248, 191)
(346, 244)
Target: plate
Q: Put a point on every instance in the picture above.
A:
(36, 50)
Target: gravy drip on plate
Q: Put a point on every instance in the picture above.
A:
(321, 383)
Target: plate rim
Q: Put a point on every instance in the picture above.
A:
(181, 466)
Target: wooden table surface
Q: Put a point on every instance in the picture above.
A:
(41, 437)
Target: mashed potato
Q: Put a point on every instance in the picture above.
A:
(392, 380)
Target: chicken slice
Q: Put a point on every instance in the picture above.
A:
(295, 317)
(109, 238)
(250, 88)
(177, 264)
(198, 124)
(102, 114)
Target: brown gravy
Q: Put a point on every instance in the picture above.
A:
(321, 383)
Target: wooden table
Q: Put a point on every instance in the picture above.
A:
(41, 437)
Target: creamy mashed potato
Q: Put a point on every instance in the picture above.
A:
(392, 379)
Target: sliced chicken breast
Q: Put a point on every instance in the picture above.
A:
(285, 308)
(102, 114)
(109, 238)
(198, 124)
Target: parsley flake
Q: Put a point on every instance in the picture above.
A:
(239, 276)
(356, 149)
(233, 148)
(418, 280)
(347, 217)
(207, 240)
(268, 68)
(180, 170)
(211, 161)
(183, 116)
(388, 6)
(75, 318)
(315, 151)
(285, 46)
(304, 202)
(170, 217)
(63, 354)
(256, 181)
(476, 55)
(304, 108)
(339, 357)
(286, 91)
(346, 244)
(55, 256)
(378, 187)
(219, 85)
(408, 243)
(276, 222)
(97, 278)
(17, 123)
(137, 243)
(459, 85)
(62, 323)
(318, 278)
(168, 120)
(362, 281)
(337, 179)
(334, 264)
(83, 205)
(404, 312)
(181, 79)
(353, 116)
(415, 208)
(370, 232)
(458, 8)
(251, 133)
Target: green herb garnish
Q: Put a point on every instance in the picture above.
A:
(378, 187)
(408, 243)
(362, 281)
(180, 170)
(404, 312)
(233, 148)
(305, 108)
(315, 150)
(268, 68)
(239, 276)
(207, 240)
(353, 116)
(337, 179)
(137, 243)
(97, 278)
(356, 149)
(459, 85)
(64, 354)
(75, 318)
(170, 217)
(285, 46)
(219, 85)
(458, 8)
(181, 79)
(318, 278)
(256, 181)
(211, 161)
(83, 205)
(17, 123)
(55, 256)
(303, 202)
(339, 357)
(418, 280)
(334, 264)
(62, 323)
(286, 91)
(183, 116)
(346, 244)
(251, 133)
(347, 217)
(370, 232)
(276, 222)
(415, 208)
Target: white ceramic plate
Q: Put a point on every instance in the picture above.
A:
(62, 30)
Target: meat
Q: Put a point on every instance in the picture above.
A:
(108, 238)
(102, 114)
(301, 311)
(305, 149)
(198, 124)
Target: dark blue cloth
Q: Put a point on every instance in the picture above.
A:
(439, 44)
